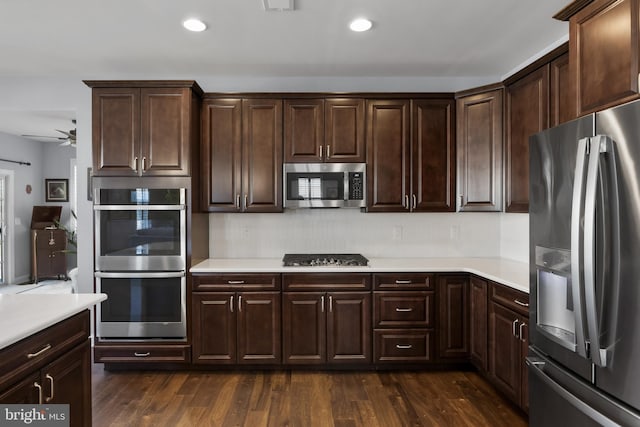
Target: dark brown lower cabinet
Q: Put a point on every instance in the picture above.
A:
(453, 316)
(326, 327)
(508, 343)
(236, 328)
(51, 367)
(478, 315)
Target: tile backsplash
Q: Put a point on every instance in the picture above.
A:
(372, 234)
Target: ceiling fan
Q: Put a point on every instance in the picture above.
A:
(69, 137)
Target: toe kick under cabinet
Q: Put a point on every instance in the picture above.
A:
(403, 310)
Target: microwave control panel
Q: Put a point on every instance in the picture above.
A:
(356, 186)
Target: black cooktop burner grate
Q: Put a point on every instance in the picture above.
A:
(324, 260)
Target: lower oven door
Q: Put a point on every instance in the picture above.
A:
(142, 305)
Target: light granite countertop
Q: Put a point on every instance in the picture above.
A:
(507, 272)
(22, 315)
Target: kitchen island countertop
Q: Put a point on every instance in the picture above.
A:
(511, 273)
(22, 315)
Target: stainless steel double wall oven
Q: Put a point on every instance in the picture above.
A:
(140, 257)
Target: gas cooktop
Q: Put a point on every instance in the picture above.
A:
(324, 260)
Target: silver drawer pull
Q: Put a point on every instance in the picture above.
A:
(403, 310)
(39, 387)
(403, 282)
(404, 346)
(147, 354)
(38, 353)
(50, 398)
(235, 282)
(520, 303)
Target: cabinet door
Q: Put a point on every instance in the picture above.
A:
(504, 351)
(258, 336)
(523, 332)
(349, 327)
(304, 328)
(262, 155)
(562, 105)
(453, 325)
(527, 114)
(214, 328)
(388, 155)
(433, 156)
(605, 53)
(344, 130)
(24, 391)
(479, 140)
(304, 130)
(221, 153)
(116, 131)
(67, 380)
(165, 128)
(478, 329)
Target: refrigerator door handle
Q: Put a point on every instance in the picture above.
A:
(576, 245)
(598, 145)
(536, 366)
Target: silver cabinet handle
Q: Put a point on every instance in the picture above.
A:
(415, 201)
(403, 282)
(135, 164)
(231, 303)
(246, 201)
(406, 201)
(38, 353)
(237, 201)
(144, 161)
(330, 304)
(235, 282)
(321, 151)
(403, 310)
(520, 303)
(404, 346)
(328, 151)
(322, 303)
(147, 354)
(522, 326)
(240, 303)
(514, 325)
(50, 378)
(39, 387)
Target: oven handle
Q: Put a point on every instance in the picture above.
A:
(139, 207)
(142, 275)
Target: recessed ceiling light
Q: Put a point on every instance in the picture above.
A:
(194, 25)
(360, 24)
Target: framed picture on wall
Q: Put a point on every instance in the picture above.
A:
(56, 190)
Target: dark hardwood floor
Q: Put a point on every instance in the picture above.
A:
(298, 398)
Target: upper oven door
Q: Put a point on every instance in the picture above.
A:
(140, 229)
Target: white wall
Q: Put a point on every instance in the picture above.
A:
(372, 234)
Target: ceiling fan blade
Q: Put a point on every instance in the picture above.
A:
(61, 138)
(70, 135)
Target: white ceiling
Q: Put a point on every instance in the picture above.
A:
(113, 39)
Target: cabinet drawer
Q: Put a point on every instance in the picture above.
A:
(402, 281)
(242, 282)
(326, 282)
(511, 298)
(41, 348)
(403, 345)
(179, 353)
(403, 309)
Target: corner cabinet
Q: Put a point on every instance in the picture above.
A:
(324, 130)
(604, 40)
(453, 316)
(51, 367)
(410, 155)
(479, 134)
(241, 155)
(144, 128)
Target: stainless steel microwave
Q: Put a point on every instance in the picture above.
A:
(324, 185)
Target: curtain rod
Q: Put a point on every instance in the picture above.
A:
(15, 161)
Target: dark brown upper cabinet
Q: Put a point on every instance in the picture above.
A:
(479, 138)
(242, 155)
(604, 39)
(527, 113)
(144, 131)
(410, 155)
(562, 105)
(324, 130)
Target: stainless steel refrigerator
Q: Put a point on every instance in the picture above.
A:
(584, 358)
